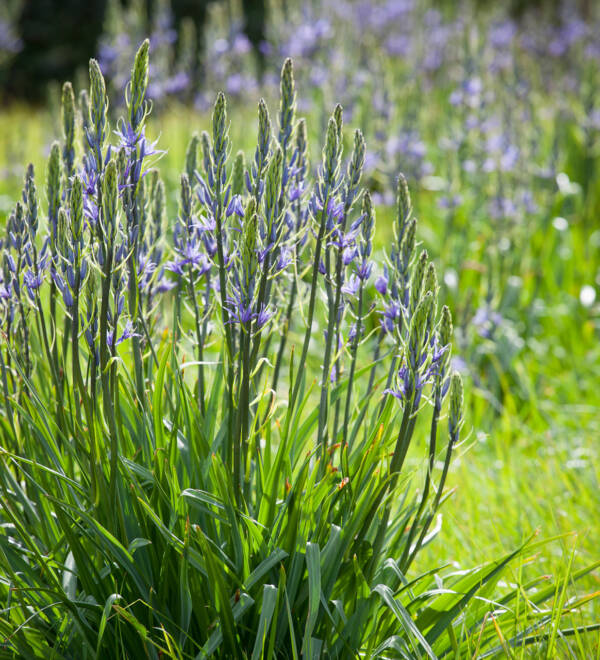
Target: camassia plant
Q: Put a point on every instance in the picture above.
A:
(205, 423)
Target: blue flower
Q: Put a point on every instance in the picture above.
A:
(235, 206)
(381, 283)
(352, 285)
(33, 281)
(239, 311)
(284, 260)
(64, 289)
(191, 255)
(364, 270)
(263, 317)
(348, 255)
(403, 385)
(295, 192)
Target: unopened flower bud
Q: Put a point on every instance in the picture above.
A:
(139, 84)
(68, 123)
(456, 406)
(237, 177)
(287, 104)
(191, 157)
(109, 198)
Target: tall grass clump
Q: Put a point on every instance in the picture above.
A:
(207, 421)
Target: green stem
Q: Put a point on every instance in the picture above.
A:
(107, 398)
(199, 341)
(436, 502)
(8, 406)
(311, 306)
(430, 465)
(244, 408)
(353, 366)
(78, 382)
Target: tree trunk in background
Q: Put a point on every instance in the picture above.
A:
(57, 36)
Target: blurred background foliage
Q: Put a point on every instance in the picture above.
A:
(49, 39)
(44, 41)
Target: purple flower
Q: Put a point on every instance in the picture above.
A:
(335, 209)
(64, 289)
(352, 285)
(295, 192)
(452, 202)
(191, 256)
(486, 321)
(364, 270)
(403, 385)
(128, 332)
(239, 311)
(391, 313)
(5, 291)
(284, 260)
(235, 206)
(502, 34)
(352, 333)
(381, 283)
(349, 254)
(263, 317)
(33, 281)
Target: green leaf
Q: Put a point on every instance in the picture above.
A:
(108, 605)
(313, 565)
(266, 613)
(404, 618)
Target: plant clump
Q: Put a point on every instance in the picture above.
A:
(206, 421)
